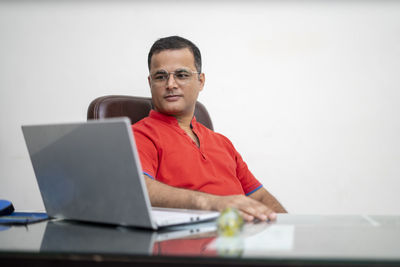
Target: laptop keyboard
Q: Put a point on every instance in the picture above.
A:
(175, 216)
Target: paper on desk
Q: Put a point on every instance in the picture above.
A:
(256, 239)
(272, 238)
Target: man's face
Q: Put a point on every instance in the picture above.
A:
(175, 94)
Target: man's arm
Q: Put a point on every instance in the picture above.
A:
(162, 195)
(263, 196)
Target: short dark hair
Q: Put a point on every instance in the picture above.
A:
(173, 43)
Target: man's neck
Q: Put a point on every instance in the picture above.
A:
(184, 122)
(184, 119)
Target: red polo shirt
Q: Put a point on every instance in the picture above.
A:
(169, 155)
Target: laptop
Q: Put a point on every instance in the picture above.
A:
(90, 171)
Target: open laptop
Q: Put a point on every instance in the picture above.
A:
(90, 171)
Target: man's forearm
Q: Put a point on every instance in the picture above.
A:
(269, 200)
(272, 202)
(162, 195)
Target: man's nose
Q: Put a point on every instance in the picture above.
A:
(171, 83)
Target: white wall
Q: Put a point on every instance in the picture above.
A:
(306, 90)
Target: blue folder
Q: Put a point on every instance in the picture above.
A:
(23, 218)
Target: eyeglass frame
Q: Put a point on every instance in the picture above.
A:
(168, 75)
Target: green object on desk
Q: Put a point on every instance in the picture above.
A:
(23, 218)
(229, 222)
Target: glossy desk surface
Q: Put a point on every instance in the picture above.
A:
(291, 240)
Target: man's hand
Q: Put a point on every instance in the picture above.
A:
(162, 195)
(249, 208)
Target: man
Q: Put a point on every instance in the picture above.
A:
(185, 164)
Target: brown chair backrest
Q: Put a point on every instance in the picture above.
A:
(135, 108)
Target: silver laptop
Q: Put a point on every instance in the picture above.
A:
(90, 171)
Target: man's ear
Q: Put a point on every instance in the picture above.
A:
(148, 79)
(202, 80)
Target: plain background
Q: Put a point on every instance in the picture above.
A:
(307, 91)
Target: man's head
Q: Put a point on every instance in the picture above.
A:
(175, 43)
(175, 76)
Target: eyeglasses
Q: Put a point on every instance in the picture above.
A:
(181, 76)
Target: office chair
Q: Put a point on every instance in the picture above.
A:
(135, 108)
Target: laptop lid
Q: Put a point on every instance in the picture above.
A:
(90, 171)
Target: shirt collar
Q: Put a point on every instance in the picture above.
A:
(169, 119)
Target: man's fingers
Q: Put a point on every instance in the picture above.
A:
(249, 208)
(247, 217)
(252, 209)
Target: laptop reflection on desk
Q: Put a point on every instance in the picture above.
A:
(73, 237)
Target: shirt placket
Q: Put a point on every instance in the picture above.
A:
(201, 145)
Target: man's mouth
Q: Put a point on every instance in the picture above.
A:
(172, 97)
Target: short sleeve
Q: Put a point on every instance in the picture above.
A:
(249, 183)
(247, 180)
(147, 152)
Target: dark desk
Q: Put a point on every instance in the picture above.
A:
(294, 240)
